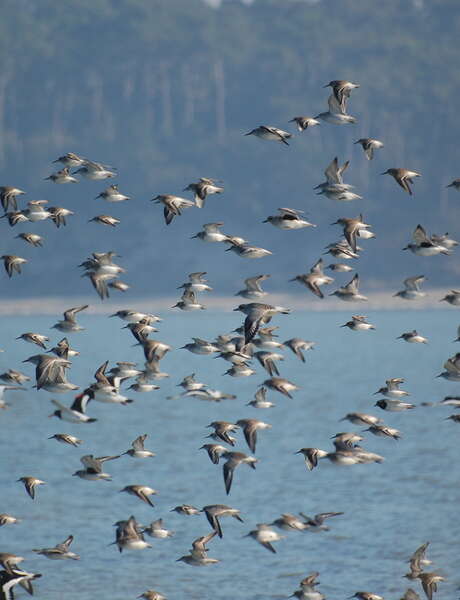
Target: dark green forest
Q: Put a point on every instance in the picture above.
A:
(165, 89)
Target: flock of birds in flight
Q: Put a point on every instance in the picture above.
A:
(255, 339)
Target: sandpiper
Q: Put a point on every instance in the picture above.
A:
(358, 323)
(214, 511)
(341, 90)
(423, 245)
(253, 288)
(203, 188)
(156, 529)
(265, 535)
(281, 385)
(31, 238)
(297, 345)
(413, 337)
(411, 289)
(138, 450)
(302, 123)
(315, 278)
(250, 427)
(62, 176)
(30, 483)
(233, 460)
(93, 467)
(369, 145)
(403, 177)
(289, 218)
(8, 195)
(173, 205)
(111, 194)
(211, 233)
(13, 264)
(66, 438)
(140, 491)
(349, 292)
(267, 132)
(105, 220)
(34, 338)
(69, 323)
(453, 297)
(60, 551)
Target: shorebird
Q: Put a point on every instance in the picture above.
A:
(394, 405)
(214, 451)
(352, 228)
(50, 373)
(253, 288)
(93, 467)
(189, 301)
(211, 233)
(71, 160)
(31, 238)
(250, 427)
(316, 523)
(267, 360)
(58, 215)
(111, 194)
(36, 211)
(423, 245)
(60, 551)
(453, 297)
(366, 596)
(9, 579)
(135, 316)
(138, 450)
(455, 184)
(281, 385)
(411, 289)
(341, 90)
(452, 366)
(203, 188)
(30, 483)
(302, 123)
(258, 314)
(62, 176)
(201, 347)
(186, 509)
(129, 536)
(69, 323)
(289, 522)
(105, 220)
(403, 177)
(384, 431)
(77, 411)
(289, 218)
(13, 264)
(339, 267)
(173, 206)
(391, 390)
(358, 323)
(34, 338)
(198, 556)
(140, 491)
(413, 337)
(152, 595)
(94, 171)
(315, 278)
(214, 511)
(297, 345)
(233, 460)
(6, 519)
(267, 132)
(9, 561)
(349, 292)
(361, 419)
(8, 195)
(66, 438)
(369, 145)
(245, 250)
(157, 530)
(265, 535)
(222, 430)
(429, 583)
(336, 114)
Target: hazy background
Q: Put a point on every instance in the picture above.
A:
(164, 91)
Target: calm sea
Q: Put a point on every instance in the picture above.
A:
(389, 509)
